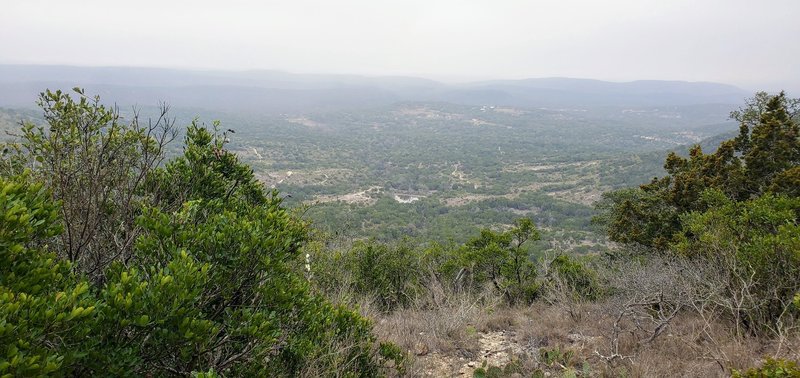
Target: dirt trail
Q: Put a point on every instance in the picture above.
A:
(496, 348)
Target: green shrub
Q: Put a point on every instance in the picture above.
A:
(389, 273)
(210, 285)
(499, 258)
(735, 209)
(47, 315)
(578, 279)
(94, 162)
(757, 244)
(772, 368)
(391, 352)
(763, 158)
(556, 355)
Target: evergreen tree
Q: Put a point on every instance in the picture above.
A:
(763, 158)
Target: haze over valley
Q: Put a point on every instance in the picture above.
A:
(394, 157)
(417, 188)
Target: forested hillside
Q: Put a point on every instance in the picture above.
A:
(411, 239)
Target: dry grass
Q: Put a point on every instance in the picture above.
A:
(437, 333)
(688, 347)
(450, 327)
(652, 326)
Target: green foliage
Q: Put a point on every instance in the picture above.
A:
(763, 158)
(209, 287)
(772, 146)
(228, 257)
(578, 279)
(391, 352)
(94, 163)
(207, 171)
(499, 258)
(736, 208)
(46, 313)
(758, 242)
(556, 355)
(772, 368)
(787, 182)
(391, 274)
(395, 275)
(638, 216)
(155, 318)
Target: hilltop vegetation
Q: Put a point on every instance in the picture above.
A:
(703, 283)
(117, 257)
(115, 264)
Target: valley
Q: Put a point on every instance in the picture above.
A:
(440, 171)
(437, 172)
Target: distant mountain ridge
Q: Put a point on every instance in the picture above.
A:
(277, 91)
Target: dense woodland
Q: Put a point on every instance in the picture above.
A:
(125, 252)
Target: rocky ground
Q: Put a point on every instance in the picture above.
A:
(496, 349)
(555, 341)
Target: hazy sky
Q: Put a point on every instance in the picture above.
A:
(750, 43)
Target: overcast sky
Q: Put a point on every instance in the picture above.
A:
(749, 43)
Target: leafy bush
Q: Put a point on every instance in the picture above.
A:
(398, 275)
(47, 315)
(210, 284)
(757, 244)
(499, 258)
(95, 163)
(579, 280)
(772, 368)
(390, 274)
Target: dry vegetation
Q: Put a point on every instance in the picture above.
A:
(659, 323)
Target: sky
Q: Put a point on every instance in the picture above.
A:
(749, 43)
